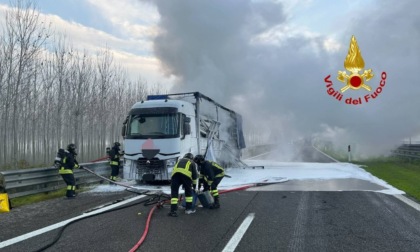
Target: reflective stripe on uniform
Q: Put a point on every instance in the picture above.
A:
(174, 201)
(215, 192)
(209, 182)
(222, 173)
(189, 199)
(65, 171)
(114, 163)
(184, 170)
(71, 188)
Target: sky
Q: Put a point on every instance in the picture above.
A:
(268, 60)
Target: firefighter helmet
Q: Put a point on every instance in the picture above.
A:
(189, 156)
(72, 148)
(199, 159)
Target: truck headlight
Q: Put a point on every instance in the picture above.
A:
(170, 163)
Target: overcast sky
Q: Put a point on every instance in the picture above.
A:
(267, 59)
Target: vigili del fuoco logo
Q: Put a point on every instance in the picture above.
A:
(353, 80)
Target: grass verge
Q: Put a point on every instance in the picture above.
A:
(25, 200)
(30, 199)
(401, 175)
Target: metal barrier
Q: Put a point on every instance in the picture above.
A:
(24, 182)
(407, 151)
(251, 151)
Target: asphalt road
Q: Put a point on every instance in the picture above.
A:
(283, 221)
(291, 216)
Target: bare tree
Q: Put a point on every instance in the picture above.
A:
(106, 75)
(25, 35)
(62, 58)
(51, 94)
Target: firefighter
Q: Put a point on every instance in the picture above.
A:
(115, 155)
(66, 170)
(185, 174)
(211, 174)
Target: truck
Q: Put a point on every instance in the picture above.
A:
(162, 129)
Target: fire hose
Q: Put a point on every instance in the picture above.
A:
(158, 204)
(155, 198)
(143, 237)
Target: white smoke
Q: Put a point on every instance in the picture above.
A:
(245, 55)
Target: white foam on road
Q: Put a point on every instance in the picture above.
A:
(273, 172)
(282, 171)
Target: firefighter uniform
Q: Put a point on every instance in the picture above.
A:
(115, 156)
(66, 170)
(211, 174)
(184, 173)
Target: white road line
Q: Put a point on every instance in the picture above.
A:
(335, 160)
(260, 155)
(60, 224)
(408, 201)
(236, 238)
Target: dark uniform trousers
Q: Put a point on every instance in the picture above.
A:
(71, 184)
(177, 180)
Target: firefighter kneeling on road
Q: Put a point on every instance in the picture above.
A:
(211, 174)
(66, 170)
(184, 173)
(115, 155)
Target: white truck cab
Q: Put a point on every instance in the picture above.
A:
(162, 129)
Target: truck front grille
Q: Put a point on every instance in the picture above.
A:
(154, 166)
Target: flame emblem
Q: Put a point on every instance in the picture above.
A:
(354, 63)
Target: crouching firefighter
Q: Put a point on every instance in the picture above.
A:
(115, 155)
(211, 174)
(184, 173)
(69, 163)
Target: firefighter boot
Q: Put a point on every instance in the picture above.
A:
(173, 213)
(216, 203)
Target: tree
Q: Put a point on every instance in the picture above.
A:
(52, 95)
(24, 37)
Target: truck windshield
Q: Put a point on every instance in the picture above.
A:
(143, 126)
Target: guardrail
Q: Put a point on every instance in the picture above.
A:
(251, 151)
(24, 182)
(407, 151)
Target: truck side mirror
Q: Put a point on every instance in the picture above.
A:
(124, 127)
(123, 130)
(187, 128)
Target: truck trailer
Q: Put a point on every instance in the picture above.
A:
(162, 129)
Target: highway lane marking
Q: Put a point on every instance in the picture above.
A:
(60, 224)
(261, 154)
(236, 238)
(335, 160)
(408, 201)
